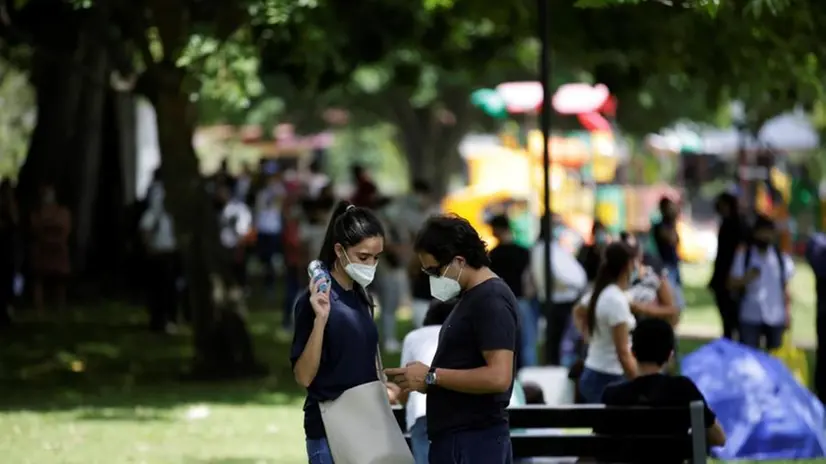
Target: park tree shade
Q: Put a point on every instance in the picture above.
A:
(660, 62)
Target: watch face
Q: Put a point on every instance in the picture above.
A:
(430, 378)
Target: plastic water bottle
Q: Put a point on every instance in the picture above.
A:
(317, 272)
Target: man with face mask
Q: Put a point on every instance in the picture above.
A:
(759, 275)
(470, 380)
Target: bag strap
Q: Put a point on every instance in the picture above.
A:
(371, 306)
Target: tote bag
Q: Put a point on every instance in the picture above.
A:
(360, 425)
(794, 359)
(361, 428)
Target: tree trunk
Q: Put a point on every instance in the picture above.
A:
(430, 141)
(88, 145)
(58, 84)
(222, 343)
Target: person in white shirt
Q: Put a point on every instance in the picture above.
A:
(236, 224)
(268, 226)
(609, 325)
(158, 234)
(760, 274)
(570, 281)
(420, 345)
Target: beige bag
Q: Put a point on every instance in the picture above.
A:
(361, 428)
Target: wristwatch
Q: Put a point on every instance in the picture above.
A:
(430, 377)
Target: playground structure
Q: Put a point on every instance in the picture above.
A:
(505, 178)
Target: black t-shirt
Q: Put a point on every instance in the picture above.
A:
(590, 257)
(654, 390)
(733, 232)
(667, 251)
(510, 261)
(484, 319)
(348, 354)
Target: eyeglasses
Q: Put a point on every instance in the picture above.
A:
(433, 271)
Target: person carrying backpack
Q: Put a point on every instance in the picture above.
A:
(759, 277)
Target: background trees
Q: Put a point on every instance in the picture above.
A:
(410, 64)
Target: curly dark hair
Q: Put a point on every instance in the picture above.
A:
(447, 236)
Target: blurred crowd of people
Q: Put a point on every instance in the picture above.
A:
(273, 220)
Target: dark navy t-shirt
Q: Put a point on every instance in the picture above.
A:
(348, 353)
(667, 251)
(484, 319)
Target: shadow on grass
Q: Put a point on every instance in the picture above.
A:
(230, 461)
(105, 358)
(122, 415)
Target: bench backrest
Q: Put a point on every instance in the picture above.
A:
(531, 438)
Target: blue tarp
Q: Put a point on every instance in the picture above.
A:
(765, 413)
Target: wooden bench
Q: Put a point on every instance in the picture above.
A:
(530, 440)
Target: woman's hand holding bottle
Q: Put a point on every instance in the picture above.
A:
(320, 299)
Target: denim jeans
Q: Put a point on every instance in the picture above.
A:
(419, 442)
(529, 317)
(750, 335)
(592, 384)
(318, 452)
(486, 446)
(675, 281)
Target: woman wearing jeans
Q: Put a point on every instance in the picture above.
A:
(608, 323)
(336, 340)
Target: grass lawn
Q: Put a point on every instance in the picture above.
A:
(95, 387)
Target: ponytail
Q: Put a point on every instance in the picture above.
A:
(602, 280)
(327, 253)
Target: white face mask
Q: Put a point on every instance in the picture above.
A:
(362, 274)
(444, 288)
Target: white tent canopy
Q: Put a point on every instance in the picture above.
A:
(790, 131)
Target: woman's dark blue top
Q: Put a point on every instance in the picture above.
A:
(348, 354)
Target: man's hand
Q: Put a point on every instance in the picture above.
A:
(410, 377)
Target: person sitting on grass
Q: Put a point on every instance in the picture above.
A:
(653, 347)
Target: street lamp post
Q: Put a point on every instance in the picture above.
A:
(545, 123)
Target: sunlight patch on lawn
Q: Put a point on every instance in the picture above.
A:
(228, 433)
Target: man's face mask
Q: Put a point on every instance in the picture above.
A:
(444, 288)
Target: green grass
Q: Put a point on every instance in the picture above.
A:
(95, 387)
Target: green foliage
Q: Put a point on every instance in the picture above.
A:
(17, 118)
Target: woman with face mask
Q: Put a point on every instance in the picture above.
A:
(334, 352)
